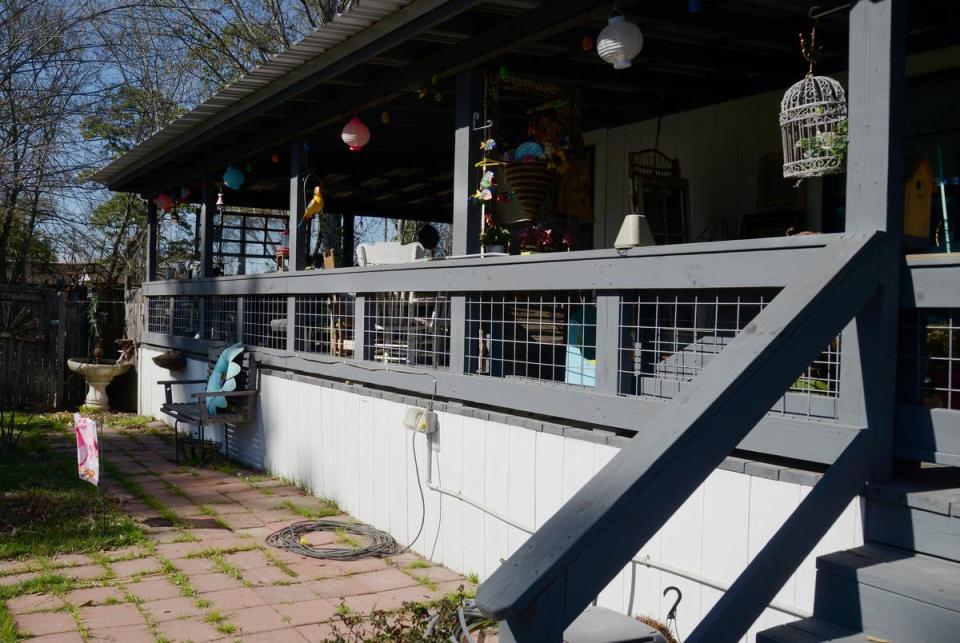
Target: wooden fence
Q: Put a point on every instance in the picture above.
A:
(39, 330)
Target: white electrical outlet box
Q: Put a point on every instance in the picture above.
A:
(420, 420)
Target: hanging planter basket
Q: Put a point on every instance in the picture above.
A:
(813, 122)
(532, 183)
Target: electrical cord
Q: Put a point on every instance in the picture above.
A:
(468, 619)
(288, 538)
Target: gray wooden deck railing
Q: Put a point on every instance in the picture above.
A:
(610, 280)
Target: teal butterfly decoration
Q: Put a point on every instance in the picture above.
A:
(223, 377)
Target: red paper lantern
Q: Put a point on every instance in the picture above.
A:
(355, 134)
(164, 201)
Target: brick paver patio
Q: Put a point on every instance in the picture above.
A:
(209, 576)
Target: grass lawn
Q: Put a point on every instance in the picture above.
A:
(45, 509)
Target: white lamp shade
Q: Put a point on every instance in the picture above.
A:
(355, 134)
(634, 232)
(619, 42)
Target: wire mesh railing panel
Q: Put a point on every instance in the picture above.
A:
(158, 314)
(265, 321)
(929, 358)
(410, 328)
(536, 336)
(324, 324)
(186, 316)
(668, 337)
(220, 318)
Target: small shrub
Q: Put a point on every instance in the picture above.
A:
(409, 624)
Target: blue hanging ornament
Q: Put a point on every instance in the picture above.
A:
(233, 177)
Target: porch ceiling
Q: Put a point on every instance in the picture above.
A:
(728, 49)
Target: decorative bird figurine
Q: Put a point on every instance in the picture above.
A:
(315, 205)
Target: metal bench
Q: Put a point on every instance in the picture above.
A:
(240, 404)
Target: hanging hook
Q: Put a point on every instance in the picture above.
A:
(476, 119)
(672, 614)
(815, 11)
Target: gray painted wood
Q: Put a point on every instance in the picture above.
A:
(931, 281)
(208, 206)
(781, 436)
(466, 152)
(882, 613)
(728, 264)
(810, 630)
(153, 247)
(359, 327)
(771, 568)
(298, 231)
(874, 201)
(923, 578)
(928, 433)
(458, 334)
(608, 343)
(592, 536)
(913, 529)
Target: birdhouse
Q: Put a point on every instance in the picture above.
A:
(918, 200)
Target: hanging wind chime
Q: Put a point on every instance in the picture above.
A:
(813, 121)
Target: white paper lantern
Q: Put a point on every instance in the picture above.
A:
(619, 42)
(355, 134)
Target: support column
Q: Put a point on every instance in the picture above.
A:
(466, 217)
(208, 206)
(347, 241)
(298, 232)
(875, 202)
(152, 240)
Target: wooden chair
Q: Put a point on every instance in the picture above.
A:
(240, 404)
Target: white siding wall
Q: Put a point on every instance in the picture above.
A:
(355, 450)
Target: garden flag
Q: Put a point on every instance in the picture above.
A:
(88, 449)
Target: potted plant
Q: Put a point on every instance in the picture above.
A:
(495, 238)
(536, 238)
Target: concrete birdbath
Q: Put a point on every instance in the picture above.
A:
(98, 374)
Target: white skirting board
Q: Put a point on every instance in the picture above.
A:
(354, 449)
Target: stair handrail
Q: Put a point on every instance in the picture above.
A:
(550, 579)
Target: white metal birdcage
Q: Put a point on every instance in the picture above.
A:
(813, 122)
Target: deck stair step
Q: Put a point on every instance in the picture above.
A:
(920, 513)
(812, 630)
(876, 593)
(890, 593)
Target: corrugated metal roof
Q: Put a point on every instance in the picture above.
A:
(367, 15)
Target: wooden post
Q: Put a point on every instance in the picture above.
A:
(466, 217)
(608, 344)
(875, 202)
(360, 349)
(61, 346)
(298, 236)
(346, 242)
(152, 240)
(208, 207)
